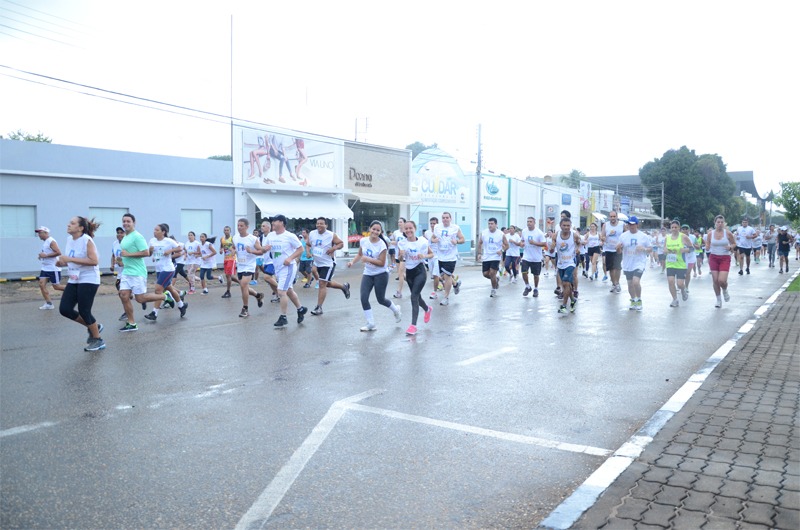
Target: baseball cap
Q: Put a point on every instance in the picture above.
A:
(684, 226)
(42, 229)
(633, 220)
(784, 227)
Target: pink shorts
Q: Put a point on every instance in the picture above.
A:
(719, 263)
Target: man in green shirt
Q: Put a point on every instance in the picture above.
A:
(133, 279)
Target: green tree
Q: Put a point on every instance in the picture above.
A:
(221, 157)
(418, 147)
(24, 136)
(573, 180)
(696, 188)
(789, 200)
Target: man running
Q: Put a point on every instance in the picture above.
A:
(447, 237)
(744, 241)
(635, 246)
(511, 260)
(247, 250)
(566, 245)
(285, 248)
(433, 263)
(491, 245)
(533, 242)
(397, 238)
(50, 272)
(609, 235)
(322, 245)
(228, 251)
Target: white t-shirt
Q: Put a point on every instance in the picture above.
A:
(592, 240)
(78, 248)
(320, 244)
(513, 245)
(743, 236)
(162, 263)
(116, 251)
(48, 264)
(532, 253)
(207, 260)
(373, 250)
(245, 261)
(283, 245)
(447, 247)
(492, 245)
(191, 248)
(397, 238)
(634, 250)
(413, 251)
(565, 249)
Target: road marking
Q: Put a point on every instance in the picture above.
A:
(262, 509)
(506, 436)
(485, 356)
(26, 428)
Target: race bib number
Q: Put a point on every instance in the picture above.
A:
(73, 273)
(672, 258)
(319, 252)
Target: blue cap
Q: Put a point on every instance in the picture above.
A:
(633, 220)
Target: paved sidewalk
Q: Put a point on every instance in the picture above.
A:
(730, 458)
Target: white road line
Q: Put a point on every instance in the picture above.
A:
(26, 428)
(509, 437)
(262, 509)
(485, 356)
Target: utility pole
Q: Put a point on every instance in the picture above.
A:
(662, 204)
(478, 192)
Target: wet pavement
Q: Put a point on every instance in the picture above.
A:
(490, 417)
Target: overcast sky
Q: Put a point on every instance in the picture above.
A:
(603, 87)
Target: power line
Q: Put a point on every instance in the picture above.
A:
(35, 26)
(46, 13)
(39, 36)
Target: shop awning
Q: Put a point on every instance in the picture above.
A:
(301, 207)
(646, 216)
(599, 216)
(383, 198)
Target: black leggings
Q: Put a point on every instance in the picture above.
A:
(82, 295)
(415, 278)
(179, 271)
(379, 283)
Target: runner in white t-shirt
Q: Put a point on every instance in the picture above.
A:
(635, 246)
(162, 248)
(414, 253)
(512, 254)
(491, 245)
(322, 244)
(50, 272)
(398, 238)
(285, 248)
(533, 245)
(447, 236)
(247, 249)
(433, 262)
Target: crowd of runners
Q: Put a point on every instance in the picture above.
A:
(282, 257)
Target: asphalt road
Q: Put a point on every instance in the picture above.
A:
(489, 417)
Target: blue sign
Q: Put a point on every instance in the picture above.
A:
(566, 198)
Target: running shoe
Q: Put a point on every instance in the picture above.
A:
(572, 306)
(100, 328)
(427, 317)
(226, 295)
(316, 311)
(123, 317)
(585, 275)
(398, 294)
(632, 307)
(282, 322)
(535, 293)
(748, 270)
(205, 291)
(398, 315)
(718, 303)
(316, 285)
(562, 310)
(725, 295)
(95, 345)
(307, 285)
(182, 294)
(191, 291)
(183, 308)
(412, 330)
(618, 289)
(558, 292)
(220, 280)
(129, 327)
(575, 294)
(741, 273)
(369, 327)
(301, 313)
(638, 305)
(346, 290)
(260, 299)
(605, 277)
(253, 282)
(779, 272)
(433, 296)
(151, 316)
(445, 301)
(595, 275)
(144, 306)
(169, 301)
(684, 294)
(47, 306)
(457, 287)
(674, 303)
(244, 313)
(492, 293)
(527, 290)
(275, 299)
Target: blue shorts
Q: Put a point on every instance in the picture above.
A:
(164, 278)
(53, 276)
(566, 274)
(269, 268)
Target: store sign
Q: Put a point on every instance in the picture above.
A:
(372, 169)
(269, 158)
(494, 192)
(436, 179)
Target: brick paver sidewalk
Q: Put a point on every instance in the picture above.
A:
(731, 457)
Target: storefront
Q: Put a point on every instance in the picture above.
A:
(495, 200)
(439, 185)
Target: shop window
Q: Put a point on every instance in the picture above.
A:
(18, 221)
(109, 219)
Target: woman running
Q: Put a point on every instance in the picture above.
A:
(594, 248)
(720, 242)
(192, 259)
(675, 246)
(372, 251)
(162, 248)
(207, 253)
(80, 258)
(414, 253)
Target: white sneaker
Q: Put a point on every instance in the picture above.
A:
(398, 315)
(434, 296)
(719, 303)
(493, 293)
(674, 303)
(445, 301)
(47, 305)
(618, 289)
(369, 327)
(726, 295)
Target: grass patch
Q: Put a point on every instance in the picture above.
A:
(795, 285)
